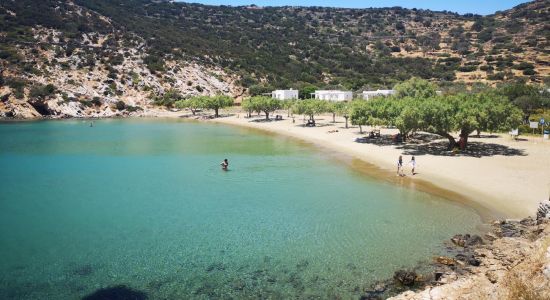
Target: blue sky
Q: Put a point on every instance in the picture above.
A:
(482, 7)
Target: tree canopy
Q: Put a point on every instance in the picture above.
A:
(441, 115)
(214, 103)
(310, 107)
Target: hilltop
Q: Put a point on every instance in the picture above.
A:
(84, 57)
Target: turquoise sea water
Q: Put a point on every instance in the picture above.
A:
(144, 203)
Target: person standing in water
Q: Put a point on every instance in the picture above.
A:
(225, 164)
(400, 166)
(413, 165)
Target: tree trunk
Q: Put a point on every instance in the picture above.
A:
(333, 117)
(266, 115)
(193, 111)
(360, 129)
(346, 117)
(478, 132)
(216, 112)
(452, 141)
(463, 142)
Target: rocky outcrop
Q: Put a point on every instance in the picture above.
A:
(90, 85)
(510, 262)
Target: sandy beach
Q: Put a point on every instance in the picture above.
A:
(499, 176)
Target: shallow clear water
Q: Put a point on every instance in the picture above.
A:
(144, 203)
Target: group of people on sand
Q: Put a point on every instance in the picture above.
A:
(401, 168)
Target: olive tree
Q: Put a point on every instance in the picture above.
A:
(466, 113)
(268, 105)
(343, 109)
(310, 107)
(217, 102)
(193, 104)
(360, 113)
(251, 105)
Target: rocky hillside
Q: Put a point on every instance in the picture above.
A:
(106, 57)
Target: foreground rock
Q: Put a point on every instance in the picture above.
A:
(511, 262)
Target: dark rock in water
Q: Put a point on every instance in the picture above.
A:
(215, 267)
(458, 240)
(377, 289)
(405, 277)
(380, 287)
(302, 265)
(438, 275)
(238, 285)
(351, 266)
(469, 259)
(466, 240)
(296, 282)
(84, 270)
(444, 260)
(119, 292)
(473, 240)
(370, 297)
(510, 229)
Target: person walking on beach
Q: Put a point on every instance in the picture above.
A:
(400, 166)
(413, 165)
(225, 164)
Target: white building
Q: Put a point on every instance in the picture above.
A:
(334, 95)
(371, 94)
(285, 94)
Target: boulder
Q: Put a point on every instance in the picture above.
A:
(493, 275)
(444, 260)
(469, 259)
(405, 277)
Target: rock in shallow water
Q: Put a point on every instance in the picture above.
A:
(466, 240)
(119, 292)
(444, 260)
(405, 277)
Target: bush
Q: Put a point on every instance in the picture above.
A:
(42, 91)
(467, 69)
(154, 63)
(96, 101)
(168, 99)
(529, 72)
(496, 76)
(120, 105)
(131, 108)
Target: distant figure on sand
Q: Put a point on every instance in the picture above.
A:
(225, 164)
(413, 165)
(400, 166)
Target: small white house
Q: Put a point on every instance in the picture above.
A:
(333, 95)
(285, 94)
(371, 94)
